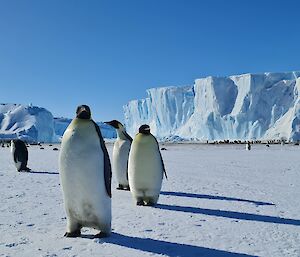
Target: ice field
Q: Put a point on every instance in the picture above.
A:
(219, 200)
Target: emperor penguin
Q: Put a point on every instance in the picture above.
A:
(20, 154)
(248, 146)
(145, 168)
(85, 173)
(120, 154)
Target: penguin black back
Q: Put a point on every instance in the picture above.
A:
(107, 165)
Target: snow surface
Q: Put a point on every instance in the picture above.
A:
(248, 106)
(220, 200)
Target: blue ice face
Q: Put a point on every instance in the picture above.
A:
(248, 106)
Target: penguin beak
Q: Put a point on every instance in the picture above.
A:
(83, 112)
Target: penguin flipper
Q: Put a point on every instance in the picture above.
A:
(130, 140)
(162, 161)
(163, 165)
(107, 165)
(127, 136)
(15, 157)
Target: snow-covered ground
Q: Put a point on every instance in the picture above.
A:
(220, 200)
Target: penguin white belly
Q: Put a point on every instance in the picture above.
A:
(12, 150)
(82, 178)
(120, 161)
(145, 171)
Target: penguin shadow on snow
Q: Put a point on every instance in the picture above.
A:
(213, 197)
(230, 214)
(225, 214)
(42, 172)
(165, 248)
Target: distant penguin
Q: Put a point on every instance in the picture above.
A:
(120, 155)
(20, 154)
(145, 168)
(85, 173)
(248, 146)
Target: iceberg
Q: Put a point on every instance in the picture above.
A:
(240, 107)
(165, 110)
(30, 123)
(36, 124)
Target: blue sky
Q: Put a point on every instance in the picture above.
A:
(58, 54)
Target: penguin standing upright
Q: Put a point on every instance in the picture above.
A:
(85, 173)
(20, 154)
(145, 168)
(248, 146)
(120, 154)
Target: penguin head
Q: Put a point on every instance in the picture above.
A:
(144, 129)
(114, 123)
(17, 142)
(83, 112)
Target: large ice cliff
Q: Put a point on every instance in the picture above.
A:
(248, 106)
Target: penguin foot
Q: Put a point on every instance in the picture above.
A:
(75, 233)
(140, 203)
(24, 170)
(149, 204)
(120, 187)
(101, 235)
